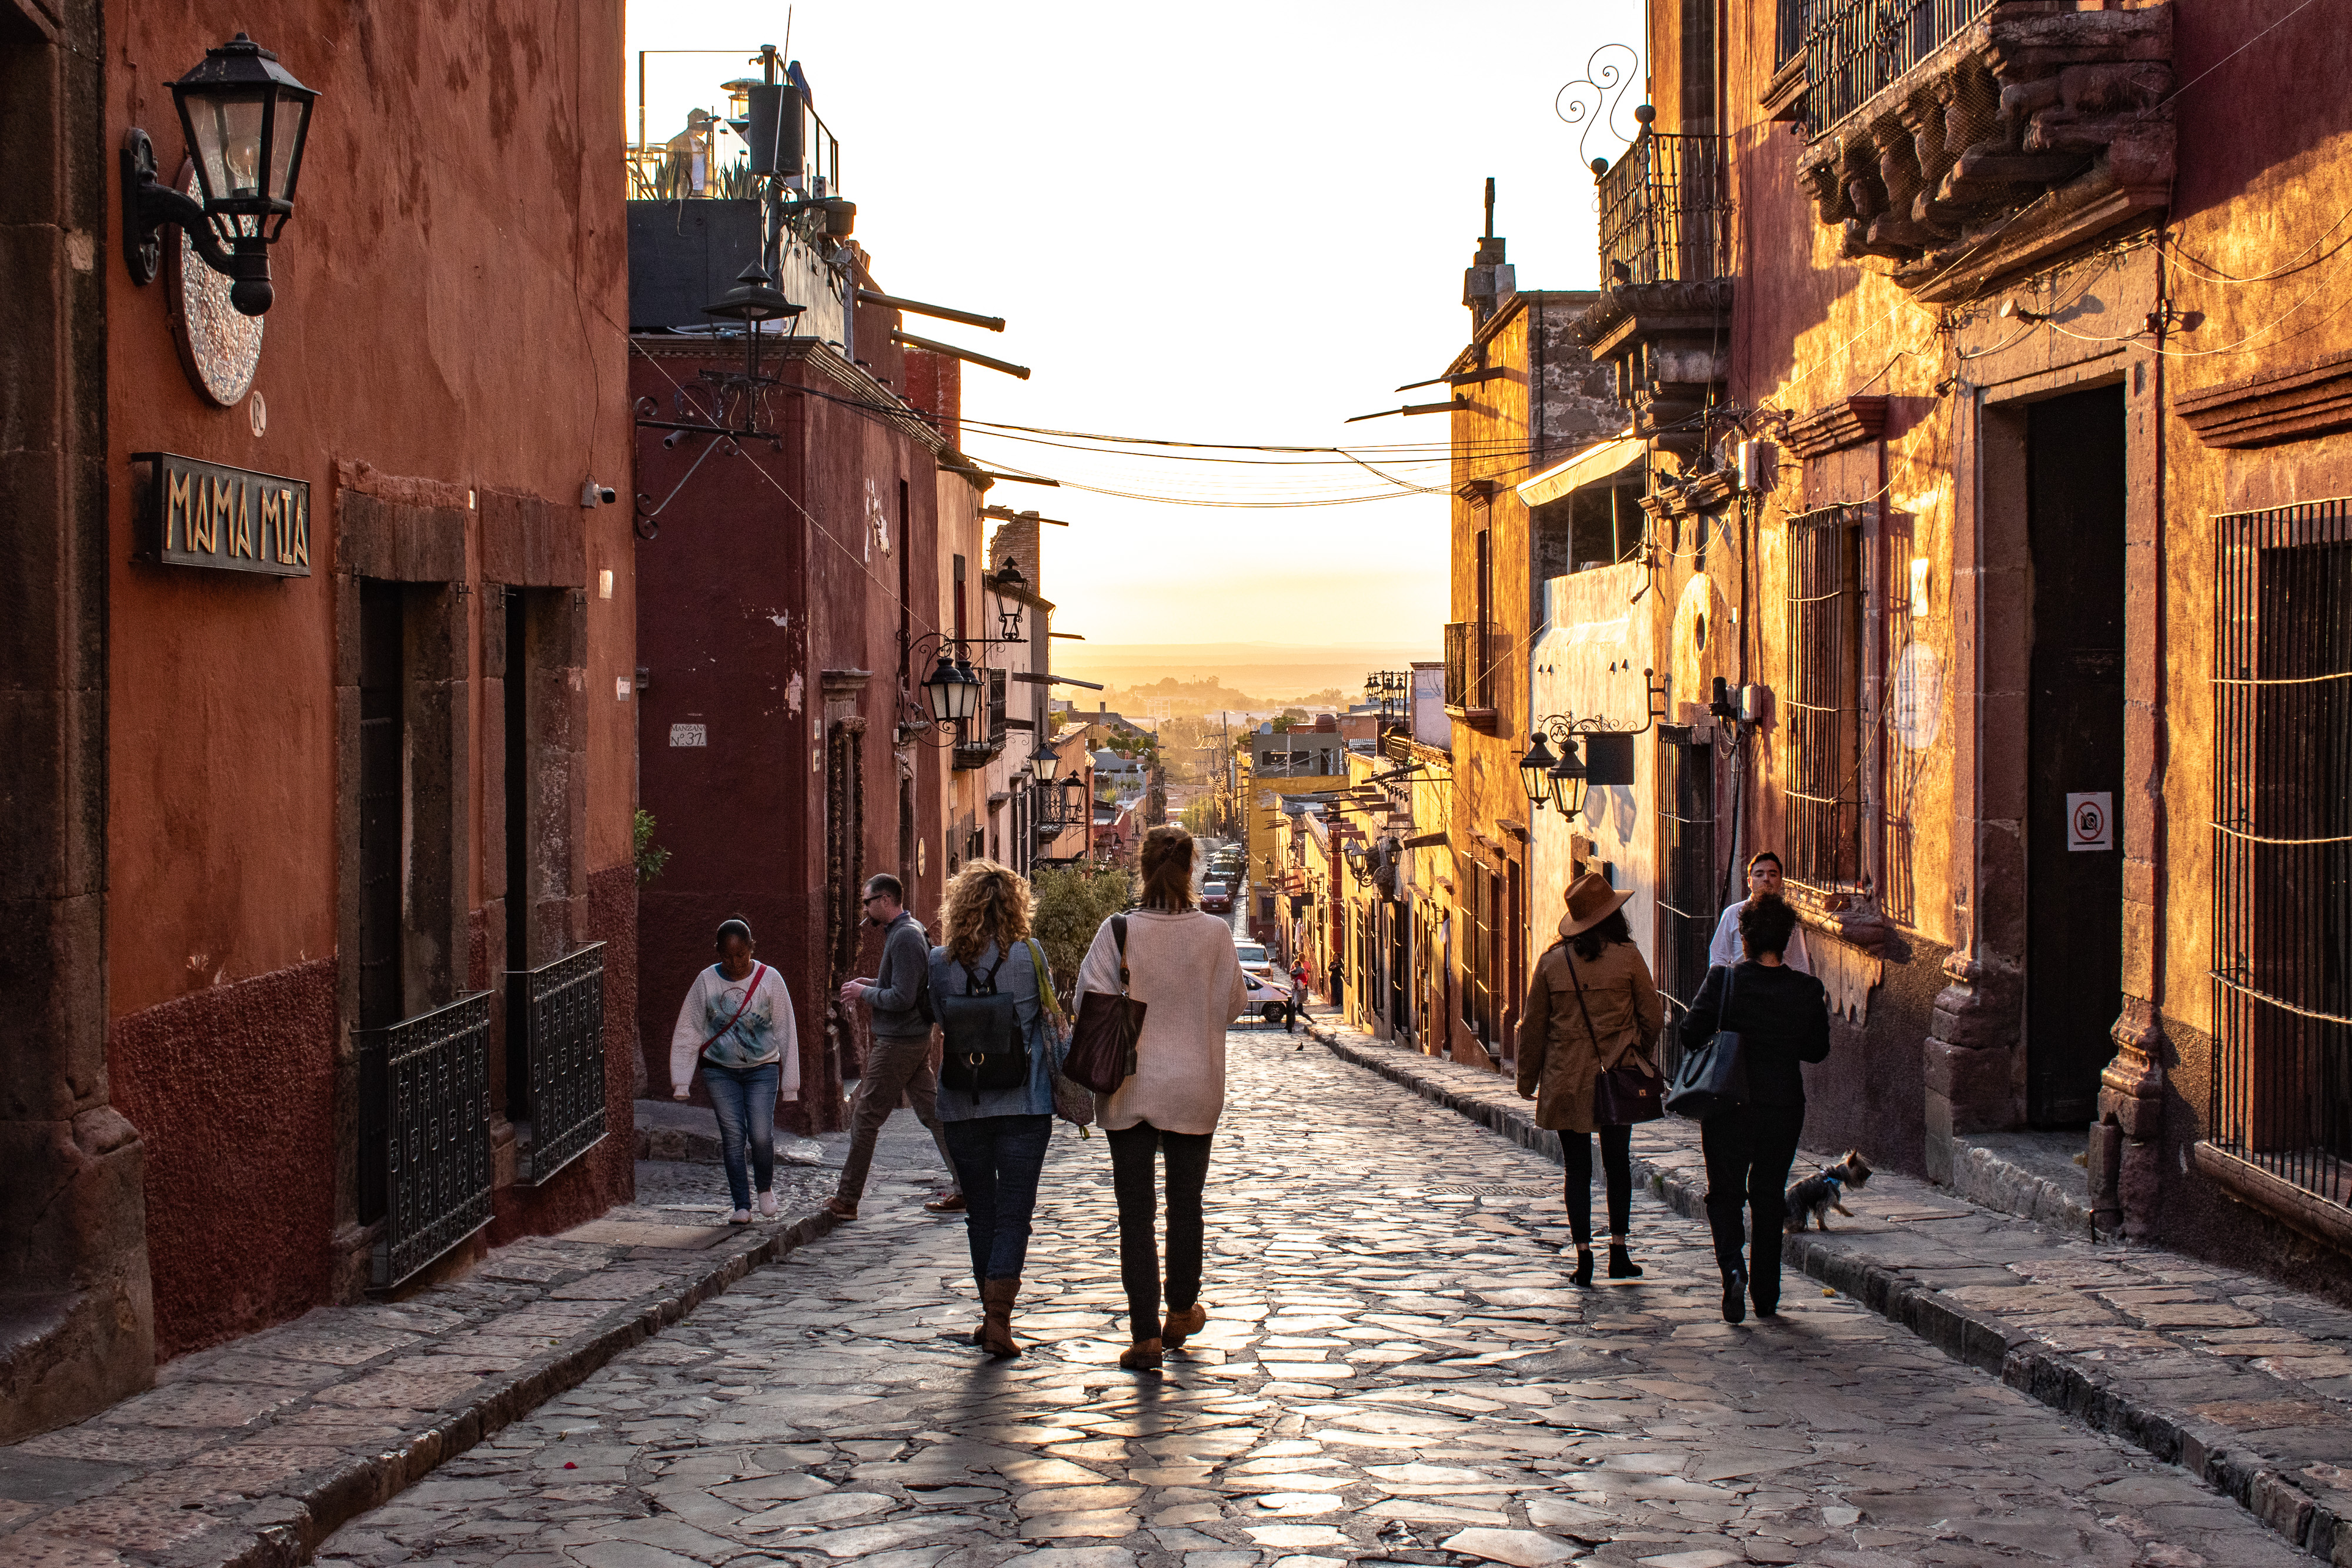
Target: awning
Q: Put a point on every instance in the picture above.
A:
(1600, 465)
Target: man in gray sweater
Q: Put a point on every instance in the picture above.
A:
(899, 1064)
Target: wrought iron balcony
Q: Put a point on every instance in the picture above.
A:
(424, 1133)
(1666, 211)
(1470, 670)
(1963, 139)
(1665, 275)
(559, 1012)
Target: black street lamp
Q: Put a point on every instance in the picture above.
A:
(1007, 583)
(1045, 762)
(1566, 779)
(952, 691)
(1535, 770)
(246, 119)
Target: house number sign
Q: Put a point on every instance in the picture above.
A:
(200, 514)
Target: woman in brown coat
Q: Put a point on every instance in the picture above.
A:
(1567, 1042)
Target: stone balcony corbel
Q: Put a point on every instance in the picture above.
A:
(2026, 133)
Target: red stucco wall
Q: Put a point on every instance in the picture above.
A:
(231, 1090)
(450, 309)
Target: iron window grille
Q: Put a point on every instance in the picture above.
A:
(1666, 211)
(560, 1007)
(1688, 890)
(2281, 1088)
(1823, 721)
(981, 738)
(1856, 49)
(1470, 665)
(424, 1133)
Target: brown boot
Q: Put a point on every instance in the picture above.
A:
(1181, 1326)
(996, 1328)
(1143, 1355)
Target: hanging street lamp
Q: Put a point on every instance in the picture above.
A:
(1009, 581)
(1566, 779)
(1044, 762)
(1535, 770)
(952, 691)
(246, 118)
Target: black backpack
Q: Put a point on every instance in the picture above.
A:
(985, 1048)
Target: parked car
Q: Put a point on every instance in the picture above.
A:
(1269, 996)
(1216, 898)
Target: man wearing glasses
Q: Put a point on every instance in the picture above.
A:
(1763, 882)
(898, 1063)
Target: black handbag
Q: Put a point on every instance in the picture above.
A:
(1713, 1075)
(984, 1048)
(1102, 1050)
(1628, 1093)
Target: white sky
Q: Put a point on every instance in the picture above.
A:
(1230, 223)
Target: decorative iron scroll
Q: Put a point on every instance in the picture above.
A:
(562, 1010)
(1592, 100)
(425, 1132)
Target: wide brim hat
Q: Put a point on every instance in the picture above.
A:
(1591, 901)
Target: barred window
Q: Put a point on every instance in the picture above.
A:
(2282, 1092)
(1822, 718)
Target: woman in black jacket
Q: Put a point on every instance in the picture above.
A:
(1782, 1018)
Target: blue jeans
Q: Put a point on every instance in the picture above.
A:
(745, 1099)
(998, 1159)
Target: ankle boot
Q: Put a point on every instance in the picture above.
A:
(996, 1328)
(1621, 1263)
(1583, 1267)
(1181, 1326)
(1143, 1355)
(1735, 1295)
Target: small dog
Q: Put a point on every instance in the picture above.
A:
(1813, 1198)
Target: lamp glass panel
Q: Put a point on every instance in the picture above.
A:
(938, 692)
(225, 133)
(967, 691)
(289, 127)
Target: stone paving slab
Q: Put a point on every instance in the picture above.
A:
(253, 1451)
(1395, 1370)
(2242, 1382)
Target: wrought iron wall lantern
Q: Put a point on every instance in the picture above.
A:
(1562, 777)
(1007, 583)
(729, 405)
(1388, 688)
(246, 118)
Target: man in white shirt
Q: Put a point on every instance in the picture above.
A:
(1763, 880)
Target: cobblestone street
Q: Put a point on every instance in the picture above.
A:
(1394, 1369)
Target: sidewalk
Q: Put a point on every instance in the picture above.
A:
(2243, 1383)
(252, 1452)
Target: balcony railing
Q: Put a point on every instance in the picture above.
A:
(1854, 49)
(1470, 668)
(424, 1133)
(1666, 211)
(560, 1009)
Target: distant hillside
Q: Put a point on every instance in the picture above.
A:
(1256, 675)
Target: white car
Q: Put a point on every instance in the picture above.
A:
(1269, 990)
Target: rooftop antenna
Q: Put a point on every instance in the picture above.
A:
(1490, 208)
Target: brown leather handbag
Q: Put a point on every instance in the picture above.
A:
(1102, 1048)
(1630, 1092)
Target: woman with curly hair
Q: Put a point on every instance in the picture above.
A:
(997, 1111)
(1180, 963)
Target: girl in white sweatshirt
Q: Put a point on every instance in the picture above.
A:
(738, 1020)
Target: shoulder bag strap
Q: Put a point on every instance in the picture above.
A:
(1045, 978)
(751, 991)
(1568, 951)
(1118, 935)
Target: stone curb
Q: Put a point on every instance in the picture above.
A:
(288, 1527)
(2087, 1393)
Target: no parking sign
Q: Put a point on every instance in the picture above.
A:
(2091, 821)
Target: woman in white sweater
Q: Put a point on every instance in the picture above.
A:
(737, 1020)
(1180, 963)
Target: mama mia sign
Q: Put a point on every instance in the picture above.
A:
(201, 514)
